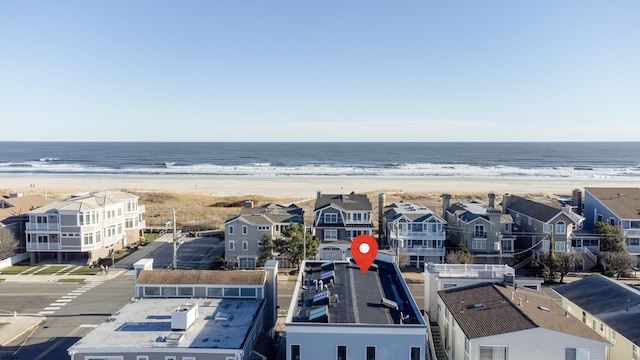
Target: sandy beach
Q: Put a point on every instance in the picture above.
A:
(302, 188)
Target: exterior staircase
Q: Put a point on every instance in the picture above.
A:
(437, 343)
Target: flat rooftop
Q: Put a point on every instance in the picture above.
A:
(359, 295)
(146, 323)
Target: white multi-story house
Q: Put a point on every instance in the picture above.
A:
(243, 233)
(611, 308)
(87, 226)
(618, 207)
(338, 219)
(491, 321)
(415, 229)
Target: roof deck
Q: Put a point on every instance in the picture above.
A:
(483, 271)
(222, 324)
(339, 292)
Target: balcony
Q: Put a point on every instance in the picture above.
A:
(43, 227)
(43, 246)
(424, 251)
(471, 271)
(419, 235)
(141, 209)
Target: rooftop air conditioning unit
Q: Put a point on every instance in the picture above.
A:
(184, 316)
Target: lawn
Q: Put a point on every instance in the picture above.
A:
(85, 270)
(151, 237)
(17, 269)
(48, 270)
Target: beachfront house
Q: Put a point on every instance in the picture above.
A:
(243, 232)
(85, 226)
(340, 312)
(415, 230)
(539, 224)
(611, 308)
(493, 321)
(484, 230)
(338, 219)
(618, 207)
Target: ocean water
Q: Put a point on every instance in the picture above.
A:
(581, 160)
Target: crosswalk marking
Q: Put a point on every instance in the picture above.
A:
(65, 299)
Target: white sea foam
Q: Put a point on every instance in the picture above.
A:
(269, 170)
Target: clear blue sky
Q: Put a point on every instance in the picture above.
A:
(320, 70)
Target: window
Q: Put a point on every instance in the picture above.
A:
(599, 218)
(478, 244)
(245, 229)
(584, 317)
(561, 227)
(371, 353)
(331, 218)
(103, 358)
(169, 291)
(331, 234)
(415, 353)
(245, 246)
(634, 224)
(188, 358)
(170, 358)
(231, 292)
(478, 231)
(248, 292)
(128, 223)
(342, 352)
(493, 352)
(231, 245)
(612, 221)
(518, 219)
(142, 357)
(530, 221)
(88, 239)
(546, 228)
(295, 352)
(633, 241)
(560, 246)
(151, 291)
(214, 292)
(230, 229)
(185, 291)
(43, 238)
(263, 228)
(576, 354)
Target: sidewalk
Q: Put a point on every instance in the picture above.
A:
(14, 326)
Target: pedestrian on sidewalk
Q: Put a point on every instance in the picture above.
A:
(101, 269)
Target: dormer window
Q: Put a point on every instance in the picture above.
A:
(331, 218)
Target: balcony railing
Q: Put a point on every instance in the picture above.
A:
(472, 270)
(419, 235)
(43, 227)
(424, 251)
(43, 246)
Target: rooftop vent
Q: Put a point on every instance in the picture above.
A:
(389, 303)
(477, 305)
(184, 316)
(321, 298)
(327, 266)
(543, 308)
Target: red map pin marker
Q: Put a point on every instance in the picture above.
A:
(364, 249)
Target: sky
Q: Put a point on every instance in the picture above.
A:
(428, 70)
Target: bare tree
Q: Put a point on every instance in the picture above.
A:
(460, 256)
(567, 262)
(618, 264)
(8, 243)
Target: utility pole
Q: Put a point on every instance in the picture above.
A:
(175, 241)
(304, 241)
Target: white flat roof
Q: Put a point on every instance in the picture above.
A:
(146, 323)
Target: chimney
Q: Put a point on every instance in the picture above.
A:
(446, 198)
(318, 194)
(506, 203)
(492, 200)
(248, 204)
(494, 218)
(576, 198)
